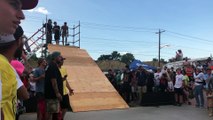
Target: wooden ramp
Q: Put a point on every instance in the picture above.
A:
(92, 89)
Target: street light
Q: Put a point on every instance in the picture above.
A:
(163, 46)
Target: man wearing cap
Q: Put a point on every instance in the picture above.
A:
(53, 87)
(65, 104)
(9, 51)
(11, 14)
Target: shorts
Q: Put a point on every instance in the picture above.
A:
(65, 103)
(40, 102)
(52, 105)
(179, 91)
(57, 37)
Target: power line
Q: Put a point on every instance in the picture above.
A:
(190, 40)
(137, 42)
(121, 28)
(116, 29)
(179, 46)
(192, 37)
(116, 26)
(117, 40)
(104, 26)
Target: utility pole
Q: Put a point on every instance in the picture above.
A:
(159, 43)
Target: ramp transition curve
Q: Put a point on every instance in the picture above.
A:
(92, 89)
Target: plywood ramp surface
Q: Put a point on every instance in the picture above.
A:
(93, 91)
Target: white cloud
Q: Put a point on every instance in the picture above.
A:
(41, 10)
(123, 52)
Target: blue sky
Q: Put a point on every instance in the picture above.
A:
(131, 26)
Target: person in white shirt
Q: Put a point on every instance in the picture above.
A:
(157, 77)
(178, 87)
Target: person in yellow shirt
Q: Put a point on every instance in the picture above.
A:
(9, 88)
(65, 104)
(186, 87)
(8, 75)
(11, 15)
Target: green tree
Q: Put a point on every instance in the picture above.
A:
(154, 59)
(115, 55)
(162, 60)
(127, 58)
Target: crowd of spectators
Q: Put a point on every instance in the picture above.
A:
(47, 88)
(187, 83)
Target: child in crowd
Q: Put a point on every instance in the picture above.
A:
(178, 88)
(186, 87)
